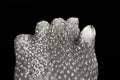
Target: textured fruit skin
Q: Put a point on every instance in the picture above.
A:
(55, 52)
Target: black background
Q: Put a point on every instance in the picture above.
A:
(20, 17)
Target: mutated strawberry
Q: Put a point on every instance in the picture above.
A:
(57, 52)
